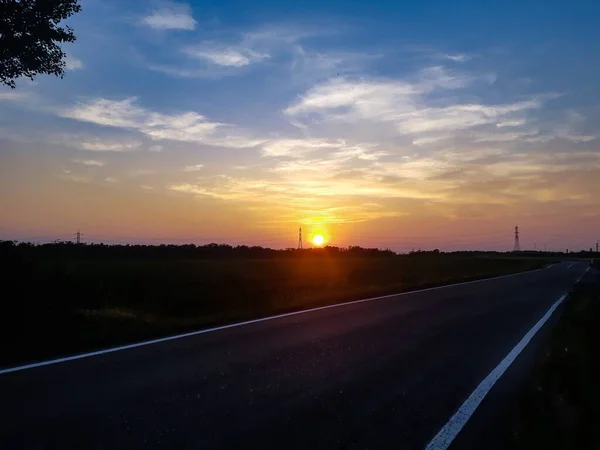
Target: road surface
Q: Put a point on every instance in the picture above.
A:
(386, 373)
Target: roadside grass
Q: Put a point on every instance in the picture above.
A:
(559, 407)
(51, 308)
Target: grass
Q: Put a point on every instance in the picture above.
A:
(53, 307)
(560, 405)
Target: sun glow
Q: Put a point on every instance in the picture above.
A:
(318, 240)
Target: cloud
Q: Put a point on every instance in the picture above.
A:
(176, 16)
(298, 147)
(457, 57)
(414, 106)
(193, 168)
(156, 148)
(186, 126)
(358, 99)
(13, 95)
(226, 56)
(73, 63)
(511, 123)
(89, 162)
(456, 117)
(67, 175)
(96, 144)
(310, 66)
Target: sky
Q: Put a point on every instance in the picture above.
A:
(412, 124)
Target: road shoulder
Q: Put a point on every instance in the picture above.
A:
(556, 404)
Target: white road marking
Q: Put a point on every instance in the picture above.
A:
(571, 265)
(248, 322)
(582, 275)
(446, 435)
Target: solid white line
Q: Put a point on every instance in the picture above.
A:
(446, 435)
(248, 322)
(571, 265)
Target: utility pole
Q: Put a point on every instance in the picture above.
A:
(300, 239)
(517, 247)
(534, 246)
(597, 242)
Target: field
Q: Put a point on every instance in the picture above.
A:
(70, 302)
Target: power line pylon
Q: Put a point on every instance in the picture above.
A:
(517, 247)
(78, 236)
(299, 238)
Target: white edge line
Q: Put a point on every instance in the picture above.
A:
(248, 322)
(582, 275)
(446, 435)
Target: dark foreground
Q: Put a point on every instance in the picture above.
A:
(61, 299)
(386, 373)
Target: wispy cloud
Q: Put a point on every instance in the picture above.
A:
(298, 147)
(89, 162)
(67, 175)
(174, 16)
(186, 126)
(193, 168)
(374, 98)
(414, 106)
(156, 148)
(96, 144)
(226, 56)
(457, 57)
(13, 95)
(73, 63)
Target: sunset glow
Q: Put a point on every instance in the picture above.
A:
(318, 240)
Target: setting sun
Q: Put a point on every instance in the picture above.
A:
(318, 240)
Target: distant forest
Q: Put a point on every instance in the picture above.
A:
(66, 249)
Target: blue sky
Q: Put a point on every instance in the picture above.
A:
(396, 124)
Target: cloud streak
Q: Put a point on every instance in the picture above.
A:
(187, 126)
(89, 162)
(174, 16)
(226, 56)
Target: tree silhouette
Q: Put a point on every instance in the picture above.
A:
(30, 37)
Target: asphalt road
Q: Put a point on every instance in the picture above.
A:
(386, 373)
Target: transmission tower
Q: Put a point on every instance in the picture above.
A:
(78, 236)
(517, 247)
(299, 238)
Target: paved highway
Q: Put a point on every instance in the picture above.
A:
(386, 373)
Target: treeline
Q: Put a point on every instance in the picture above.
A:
(70, 250)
